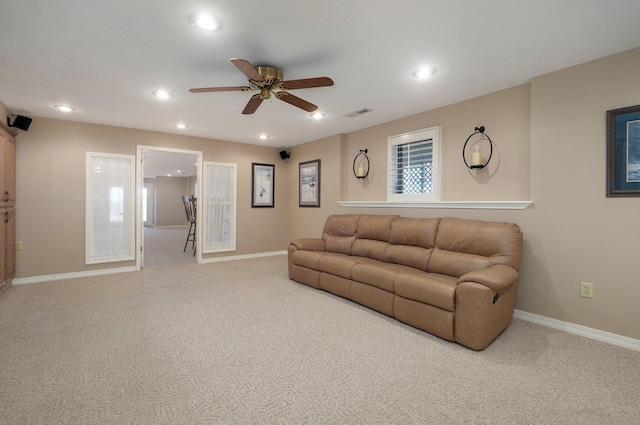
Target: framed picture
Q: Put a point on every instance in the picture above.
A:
(623, 151)
(309, 178)
(262, 185)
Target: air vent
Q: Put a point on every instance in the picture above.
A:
(358, 113)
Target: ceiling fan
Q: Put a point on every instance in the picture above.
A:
(269, 80)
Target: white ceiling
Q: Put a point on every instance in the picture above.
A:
(106, 57)
(169, 164)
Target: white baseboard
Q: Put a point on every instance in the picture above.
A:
(91, 273)
(73, 275)
(242, 257)
(598, 335)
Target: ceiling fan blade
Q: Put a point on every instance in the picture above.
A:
(247, 69)
(306, 83)
(296, 101)
(212, 89)
(252, 105)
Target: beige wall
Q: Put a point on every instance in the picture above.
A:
(51, 191)
(306, 221)
(551, 137)
(505, 116)
(574, 232)
(4, 112)
(169, 205)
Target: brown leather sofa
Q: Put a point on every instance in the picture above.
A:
(451, 277)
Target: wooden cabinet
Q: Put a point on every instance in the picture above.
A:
(7, 206)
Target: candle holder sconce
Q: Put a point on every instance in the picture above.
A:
(361, 164)
(477, 160)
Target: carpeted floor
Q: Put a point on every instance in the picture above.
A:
(239, 343)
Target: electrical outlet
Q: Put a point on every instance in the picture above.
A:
(17, 246)
(258, 237)
(586, 289)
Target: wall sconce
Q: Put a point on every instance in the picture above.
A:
(361, 164)
(477, 157)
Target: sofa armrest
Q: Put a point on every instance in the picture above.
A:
(496, 277)
(309, 244)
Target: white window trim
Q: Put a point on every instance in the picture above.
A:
(432, 133)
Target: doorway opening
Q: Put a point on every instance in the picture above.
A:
(164, 177)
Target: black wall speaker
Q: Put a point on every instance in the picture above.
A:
(20, 122)
(284, 155)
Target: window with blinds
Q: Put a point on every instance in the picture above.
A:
(413, 165)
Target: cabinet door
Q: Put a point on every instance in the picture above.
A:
(10, 175)
(3, 250)
(10, 238)
(3, 171)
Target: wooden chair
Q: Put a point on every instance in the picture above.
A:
(190, 211)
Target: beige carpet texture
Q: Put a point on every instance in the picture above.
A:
(237, 342)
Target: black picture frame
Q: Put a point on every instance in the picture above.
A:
(623, 151)
(309, 184)
(263, 178)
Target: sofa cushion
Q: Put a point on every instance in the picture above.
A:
(372, 236)
(339, 244)
(414, 231)
(465, 245)
(310, 259)
(412, 256)
(341, 225)
(376, 227)
(378, 274)
(456, 263)
(369, 248)
(339, 265)
(428, 288)
(339, 232)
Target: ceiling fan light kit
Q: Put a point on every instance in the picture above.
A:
(269, 80)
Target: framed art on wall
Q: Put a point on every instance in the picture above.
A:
(262, 185)
(309, 178)
(623, 151)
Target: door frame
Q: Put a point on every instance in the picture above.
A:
(140, 185)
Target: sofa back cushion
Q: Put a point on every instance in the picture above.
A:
(462, 246)
(411, 241)
(372, 236)
(340, 232)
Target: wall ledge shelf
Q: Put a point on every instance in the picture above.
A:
(471, 205)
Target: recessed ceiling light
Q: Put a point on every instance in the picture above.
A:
(205, 22)
(317, 115)
(64, 108)
(423, 72)
(181, 126)
(162, 94)
(263, 136)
